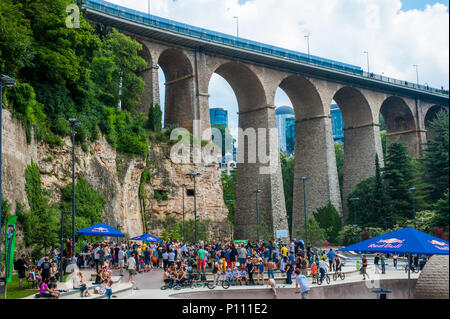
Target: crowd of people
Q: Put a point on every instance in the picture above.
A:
(239, 264)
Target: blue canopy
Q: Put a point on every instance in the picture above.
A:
(406, 240)
(100, 230)
(146, 237)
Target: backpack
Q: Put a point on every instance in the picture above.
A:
(16, 265)
(203, 276)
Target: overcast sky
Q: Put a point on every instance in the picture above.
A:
(396, 33)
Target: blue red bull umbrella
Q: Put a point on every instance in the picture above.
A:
(403, 241)
(146, 237)
(406, 240)
(100, 230)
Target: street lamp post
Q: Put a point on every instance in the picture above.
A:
(413, 190)
(304, 178)
(75, 123)
(354, 209)
(237, 25)
(417, 72)
(307, 41)
(61, 266)
(184, 190)
(368, 67)
(5, 81)
(257, 191)
(195, 202)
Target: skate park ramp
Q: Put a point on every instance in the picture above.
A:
(351, 290)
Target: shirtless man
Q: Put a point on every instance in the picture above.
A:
(271, 282)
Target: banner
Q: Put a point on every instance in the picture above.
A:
(241, 241)
(10, 246)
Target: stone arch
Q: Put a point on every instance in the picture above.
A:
(400, 124)
(150, 75)
(354, 106)
(430, 116)
(179, 97)
(245, 83)
(304, 96)
(314, 150)
(253, 172)
(362, 141)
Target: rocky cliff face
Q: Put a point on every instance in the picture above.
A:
(117, 176)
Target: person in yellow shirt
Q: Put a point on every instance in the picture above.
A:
(284, 251)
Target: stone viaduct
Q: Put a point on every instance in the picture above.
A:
(188, 64)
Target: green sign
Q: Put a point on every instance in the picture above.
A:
(241, 241)
(10, 246)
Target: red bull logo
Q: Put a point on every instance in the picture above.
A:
(100, 229)
(439, 244)
(391, 241)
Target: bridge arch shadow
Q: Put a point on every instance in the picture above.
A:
(400, 123)
(430, 116)
(179, 88)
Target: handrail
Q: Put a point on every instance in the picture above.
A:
(226, 39)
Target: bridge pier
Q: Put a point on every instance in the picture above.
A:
(151, 91)
(315, 158)
(410, 138)
(361, 145)
(257, 174)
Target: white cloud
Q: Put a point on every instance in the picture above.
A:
(339, 30)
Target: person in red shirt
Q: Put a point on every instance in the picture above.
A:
(314, 272)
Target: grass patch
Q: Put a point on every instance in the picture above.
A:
(14, 292)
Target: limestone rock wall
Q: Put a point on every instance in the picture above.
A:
(117, 176)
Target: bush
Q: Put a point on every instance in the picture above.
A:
(349, 235)
(330, 221)
(316, 235)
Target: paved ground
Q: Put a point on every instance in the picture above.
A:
(149, 285)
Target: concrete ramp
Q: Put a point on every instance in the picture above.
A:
(351, 290)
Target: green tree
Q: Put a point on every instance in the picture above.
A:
(398, 177)
(41, 220)
(364, 190)
(229, 193)
(436, 156)
(441, 208)
(381, 211)
(350, 235)
(89, 203)
(119, 53)
(330, 221)
(316, 235)
(155, 118)
(16, 41)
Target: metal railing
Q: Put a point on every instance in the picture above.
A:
(230, 40)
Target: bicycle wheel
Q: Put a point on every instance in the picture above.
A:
(225, 284)
(342, 276)
(165, 287)
(177, 287)
(211, 285)
(319, 282)
(328, 279)
(335, 276)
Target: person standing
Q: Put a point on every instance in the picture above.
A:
(289, 271)
(383, 264)
(21, 268)
(376, 262)
(201, 259)
(132, 269)
(270, 269)
(121, 258)
(45, 269)
(302, 283)
(364, 267)
(250, 270)
(331, 254)
(394, 258)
